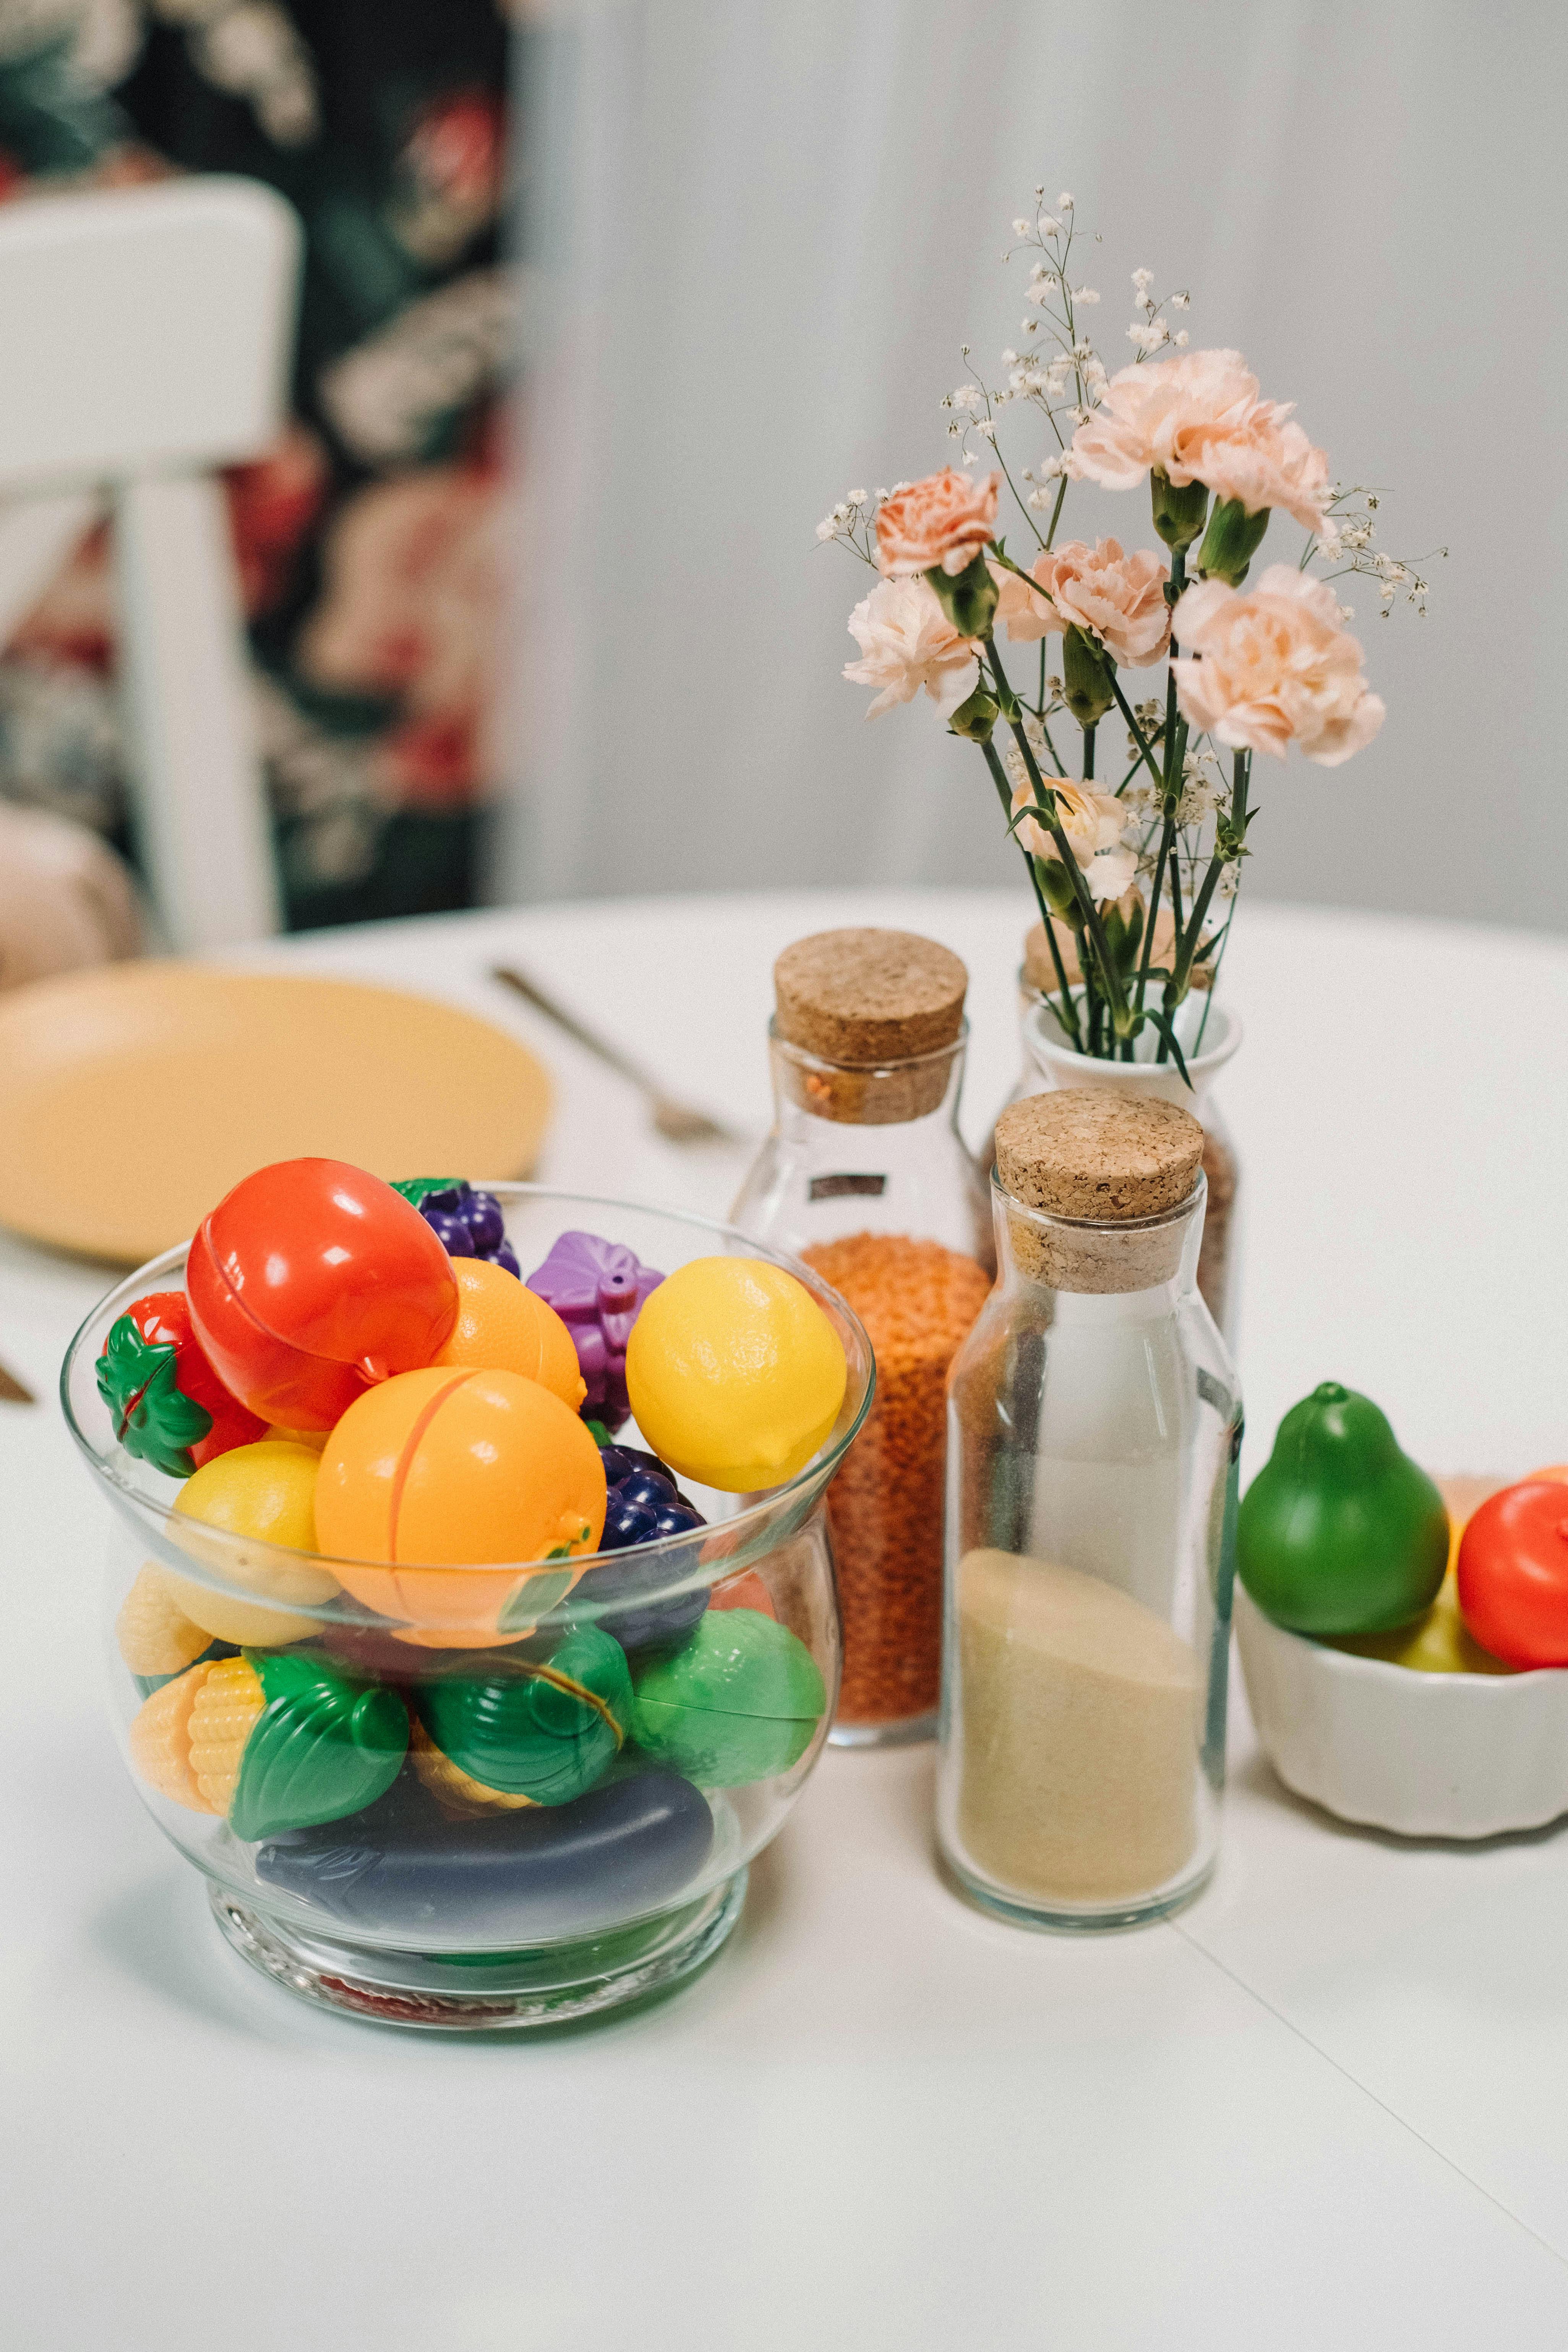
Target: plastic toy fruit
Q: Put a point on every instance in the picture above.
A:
(272, 1742)
(538, 1874)
(739, 1703)
(598, 1289)
(446, 1467)
(466, 1223)
(503, 1328)
(154, 1636)
(1439, 1642)
(734, 1373)
(310, 1281)
(1513, 1574)
(266, 1491)
(1340, 1532)
(170, 1407)
(533, 1731)
(623, 1597)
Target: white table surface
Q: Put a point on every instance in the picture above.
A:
(1326, 2107)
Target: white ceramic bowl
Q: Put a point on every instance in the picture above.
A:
(1453, 1756)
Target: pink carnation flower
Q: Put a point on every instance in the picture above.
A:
(1264, 462)
(1273, 666)
(1156, 415)
(1116, 598)
(907, 641)
(946, 519)
(1199, 419)
(1094, 823)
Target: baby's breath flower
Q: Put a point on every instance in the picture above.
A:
(1181, 301)
(1142, 279)
(1023, 227)
(1085, 294)
(1063, 202)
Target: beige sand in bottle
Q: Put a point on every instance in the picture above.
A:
(1079, 1728)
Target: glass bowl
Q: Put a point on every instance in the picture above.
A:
(664, 1703)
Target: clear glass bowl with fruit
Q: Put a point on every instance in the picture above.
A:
(472, 1654)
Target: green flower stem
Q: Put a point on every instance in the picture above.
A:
(1070, 1011)
(1144, 751)
(1088, 755)
(1187, 947)
(1111, 979)
(1056, 510)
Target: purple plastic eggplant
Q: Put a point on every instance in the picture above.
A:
(597, 1288)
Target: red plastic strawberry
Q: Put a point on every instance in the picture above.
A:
(170, 1407)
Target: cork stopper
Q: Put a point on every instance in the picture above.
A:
(866, 1002)
(869, 996)
(1089, 1153)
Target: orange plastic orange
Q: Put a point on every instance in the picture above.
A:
(504, 1326)
(454, 1469)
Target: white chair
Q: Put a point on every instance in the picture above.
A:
(148, 335)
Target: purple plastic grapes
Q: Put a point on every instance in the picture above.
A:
(597, 1288)
(466, 1224)
(644, 1503)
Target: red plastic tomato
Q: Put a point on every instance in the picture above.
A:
(1513, 1574)
(310, 1282)
(134, 1383)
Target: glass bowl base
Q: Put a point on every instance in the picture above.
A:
(484, 1992)
(897, 1731)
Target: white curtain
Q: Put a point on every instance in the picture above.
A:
(758, 231)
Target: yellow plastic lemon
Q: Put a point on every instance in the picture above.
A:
(734, 1373)
(268, 1491)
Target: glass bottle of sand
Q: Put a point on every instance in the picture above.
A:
(867, 1177)
(1094, 1426)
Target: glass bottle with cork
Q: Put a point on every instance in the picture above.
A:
(1094, 1428)
(865, 1176)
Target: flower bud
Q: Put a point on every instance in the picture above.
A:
(1178, 514)
(1086, 678)
(968, 597)
(1057, 884)
(1231, 541)
(975, 717)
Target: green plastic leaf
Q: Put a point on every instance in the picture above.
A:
(546, 1726)
(416, 1188)
(153, 1419)
(322, 1747)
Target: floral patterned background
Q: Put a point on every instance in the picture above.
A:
(369, 540)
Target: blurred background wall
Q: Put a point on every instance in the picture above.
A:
(756, 237)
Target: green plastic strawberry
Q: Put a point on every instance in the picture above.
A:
(170, 1408)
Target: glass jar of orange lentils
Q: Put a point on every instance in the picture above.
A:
(865, 1176)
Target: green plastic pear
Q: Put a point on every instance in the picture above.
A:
(1340, 1532)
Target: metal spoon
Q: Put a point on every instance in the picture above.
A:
(677, 1122)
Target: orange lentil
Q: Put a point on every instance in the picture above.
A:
(917, 1301)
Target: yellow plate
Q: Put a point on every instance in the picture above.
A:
(132, 1097)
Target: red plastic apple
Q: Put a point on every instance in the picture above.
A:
(311, 1281)
(1512, 1574)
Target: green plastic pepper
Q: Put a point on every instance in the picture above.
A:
(1340, 1532)
(739, 1702)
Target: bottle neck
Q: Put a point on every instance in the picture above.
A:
(1093, 1268)
(809, 1092)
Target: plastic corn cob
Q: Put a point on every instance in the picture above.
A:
(454, 1791)
(226, 1710)
(154, 1634)
(272, 1739)
(161, 1741)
